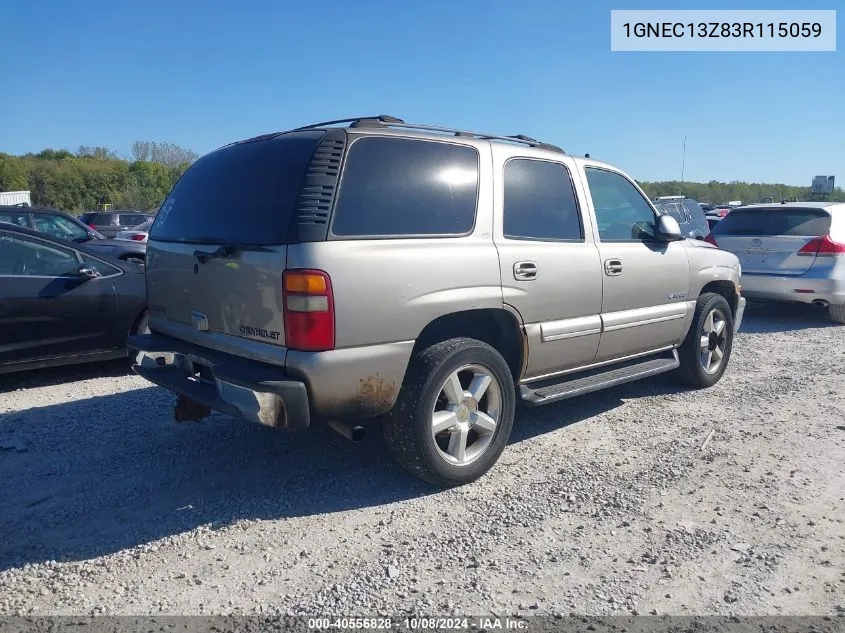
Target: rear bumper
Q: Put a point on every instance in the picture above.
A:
(242, 388)
(799, 288)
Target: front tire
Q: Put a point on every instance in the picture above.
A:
(705, 352)
(837, 313)
(454, 414)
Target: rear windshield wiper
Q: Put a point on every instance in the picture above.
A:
(227, 250)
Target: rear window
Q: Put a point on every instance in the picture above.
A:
(694, 210)
(132, 219)
(243, 193)
(405, 187)
(673, 209)
(777, 221)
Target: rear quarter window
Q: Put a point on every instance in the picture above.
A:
(395, 187)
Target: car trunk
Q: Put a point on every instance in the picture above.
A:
(217, 249)
(769, 240)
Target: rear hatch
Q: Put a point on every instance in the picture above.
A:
(768, 240)
(217, 249)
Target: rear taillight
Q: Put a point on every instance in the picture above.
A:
(137, 237)
(308, 310)
(91, 226)
(723, 212)
(711, 240)
(822, 247)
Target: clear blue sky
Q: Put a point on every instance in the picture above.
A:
(101, 72)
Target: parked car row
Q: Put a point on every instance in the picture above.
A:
(65, 226)
(110, 223)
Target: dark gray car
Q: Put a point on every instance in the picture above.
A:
(110, 223)
(64, 303)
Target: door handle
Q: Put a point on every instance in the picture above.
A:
(525, 271)
(613, 267)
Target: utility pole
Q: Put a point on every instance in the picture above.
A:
(683, 164)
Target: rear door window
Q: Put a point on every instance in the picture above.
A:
(540, 202)
(395, 187)
(777, 221)
(58, 226)
(18, 219)
(243, 193)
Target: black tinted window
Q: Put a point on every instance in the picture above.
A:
(242, 194)
(394, 186)
(103, 219)
(540, 202)
(778, 221)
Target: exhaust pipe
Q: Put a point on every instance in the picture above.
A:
(821, 303)
(351, 432)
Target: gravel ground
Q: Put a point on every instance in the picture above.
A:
(606, 504)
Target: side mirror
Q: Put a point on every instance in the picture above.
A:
(88, 273)
(668, 229)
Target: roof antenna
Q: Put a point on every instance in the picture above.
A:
(586, 155)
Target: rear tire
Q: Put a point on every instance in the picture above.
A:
(454, 414)
(837, 313)
(705, 352)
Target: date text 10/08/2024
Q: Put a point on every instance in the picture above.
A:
(419, 623)
(722, 29)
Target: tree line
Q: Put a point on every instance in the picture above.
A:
(715, 192)
(79, 181)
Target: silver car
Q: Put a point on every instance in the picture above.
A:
(138, 233)
(433, 275)
(793, 251)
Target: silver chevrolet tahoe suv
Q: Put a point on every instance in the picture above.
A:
(434, 277)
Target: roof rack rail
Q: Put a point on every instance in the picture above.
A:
(359, 121)
(385, 120)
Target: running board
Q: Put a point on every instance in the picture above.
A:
(611, 378)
